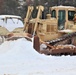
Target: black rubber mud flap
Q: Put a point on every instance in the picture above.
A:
(36, 43)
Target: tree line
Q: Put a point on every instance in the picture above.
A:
(19, 7)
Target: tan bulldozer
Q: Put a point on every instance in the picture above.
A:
(58, 23)
(56, 34)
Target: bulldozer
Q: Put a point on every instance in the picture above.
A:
(53, 35)
(57, 32)
(58, 23)
(8, 24)
(11, 26)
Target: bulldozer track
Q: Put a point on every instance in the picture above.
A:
(65, 39)
(61, 46)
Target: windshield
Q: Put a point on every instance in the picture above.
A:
(34, 13)
(11, 23)
(71, 15)
(61, 19)
(42, 14)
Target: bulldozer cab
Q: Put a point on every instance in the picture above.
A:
(61, 18)
(8, 23)
(64, 15)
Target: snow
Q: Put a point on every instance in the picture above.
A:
(63, 7)
(19, 58)
(8, 16)
(66, 31)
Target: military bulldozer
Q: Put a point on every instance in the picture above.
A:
(12, 27)
(53, 35)
(9, 24)
(56, 34)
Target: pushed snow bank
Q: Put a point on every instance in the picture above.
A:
(19, 58)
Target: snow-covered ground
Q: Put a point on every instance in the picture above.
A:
(19, 58)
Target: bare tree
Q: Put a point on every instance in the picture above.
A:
(1, 6)
(10, 7)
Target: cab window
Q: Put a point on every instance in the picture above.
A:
(53, 13)
(71, 15)
(34, 13)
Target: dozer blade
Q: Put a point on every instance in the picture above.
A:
(16, 36)
(36, 43)
(64, 51)
(54, 50)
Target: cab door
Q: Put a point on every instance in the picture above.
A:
(61, 19)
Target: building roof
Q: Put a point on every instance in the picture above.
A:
(8, 16)
(63, 6)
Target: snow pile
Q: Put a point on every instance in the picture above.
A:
(19, 58)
